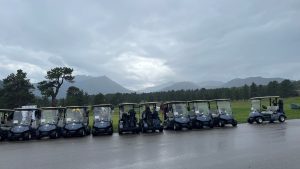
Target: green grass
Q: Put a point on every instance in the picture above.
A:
(240, 108)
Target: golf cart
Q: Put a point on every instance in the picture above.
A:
(25, 122)
(150, 120)
(128, 121)
(76, 121)
(103, 123)
(176, 115)
(200, 113)
(5, 122)
(51, 122)
(260, 112)
(224, 114)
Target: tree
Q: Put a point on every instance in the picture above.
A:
(287, 88)
(253, 90)
(74, 96)
(17, 90)
(55, 79)
(99, 99)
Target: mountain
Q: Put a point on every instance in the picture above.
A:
(1, 84)
(91, 85)
(210, 84)
(238, 82)
(182, 86)
(156, 88)
(186, 85)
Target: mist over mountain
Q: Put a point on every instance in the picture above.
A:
(238, 82)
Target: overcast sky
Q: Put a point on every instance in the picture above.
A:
(141, 43)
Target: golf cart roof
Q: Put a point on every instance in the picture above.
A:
(103, 105)
(28, 109)
(199, 101)
(124, 104)
(52, 108)
(221, 100)
(145, 103)
(264, 97)
(74, 107)
(6, 110)
(175, 102)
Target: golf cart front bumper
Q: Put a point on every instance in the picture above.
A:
(129, 129)
(71, 133)
(97, 130)
(17, 136)
(47, 133)
(183, 125)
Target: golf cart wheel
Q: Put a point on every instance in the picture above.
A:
(250, 121)
(234, 123)
(82, 133)
(153, 130)
(221, 123)
(161, 130)
(211, 125)
(259, 120)
(28, 137)
(54, 135)
(281, 119)
(175, 127)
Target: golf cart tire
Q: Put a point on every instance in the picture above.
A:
(234, 124)
(83, 133)
(281, 119)
(161, 130)
(175, 128)
(211, 125)
(250, 121)
(221, 123)
(28, 137)
(259, 120)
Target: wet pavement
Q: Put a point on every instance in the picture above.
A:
(268, 146)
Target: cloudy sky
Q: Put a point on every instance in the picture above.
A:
(142, 43)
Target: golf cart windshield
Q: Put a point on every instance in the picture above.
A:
(125, 109)
(49, 116)
(23, 117)
(102, 113)
(199, 108)
(151, 106)
(255, 105)
(224, 107)
(74, 115)
(180, 109)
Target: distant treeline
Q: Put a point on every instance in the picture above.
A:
(17, 91)
(284, 89)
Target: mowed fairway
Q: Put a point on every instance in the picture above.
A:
(241, 109)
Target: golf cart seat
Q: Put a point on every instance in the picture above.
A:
(132, 118)
(273, 108)
(155, 115)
